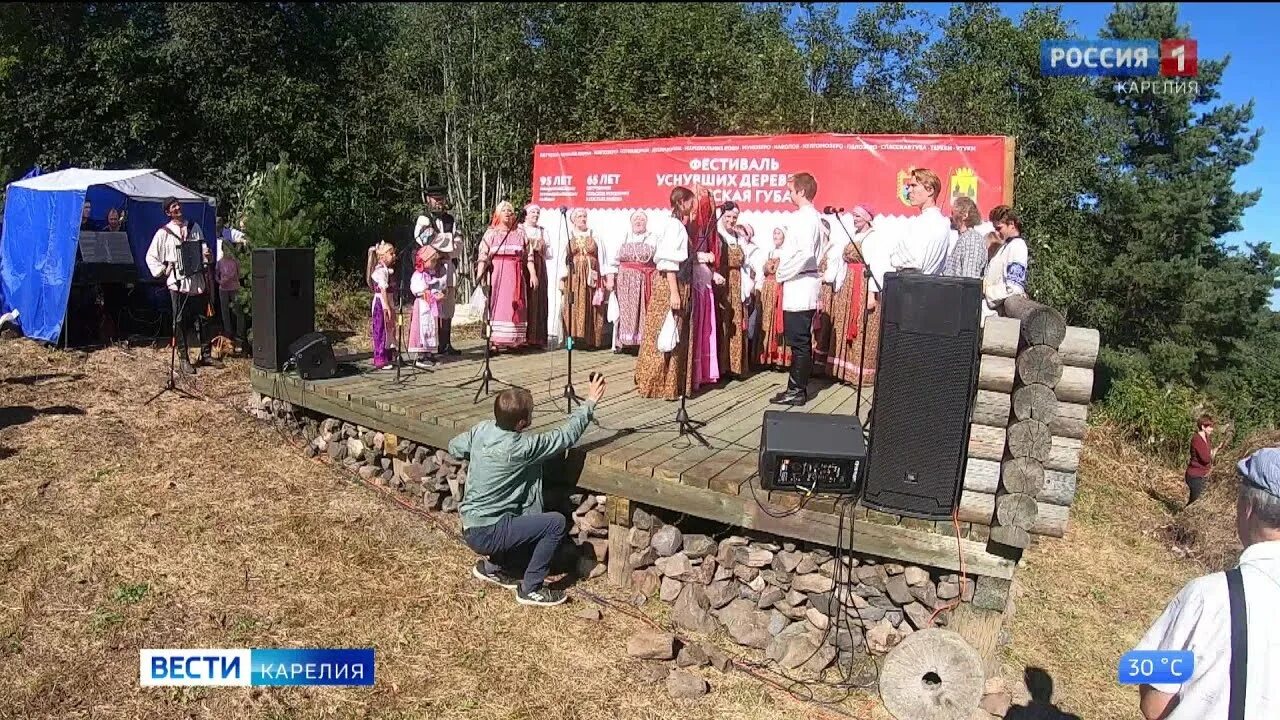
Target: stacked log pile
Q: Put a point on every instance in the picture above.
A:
(1048, 412)
(988, 434)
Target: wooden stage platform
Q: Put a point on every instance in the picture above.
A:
(632, 449)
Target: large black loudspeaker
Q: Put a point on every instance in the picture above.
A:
(284, 302)
(926, 380)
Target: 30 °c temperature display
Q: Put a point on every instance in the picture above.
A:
(1156, 667)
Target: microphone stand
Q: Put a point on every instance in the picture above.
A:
(863, 352)
(398, 298)
(569, 395)
(171, 384)
(684, 424)
(486, 373)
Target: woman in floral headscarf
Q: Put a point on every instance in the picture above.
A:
(583, 310)
(855, 317)
(630, 277)
(536, 245)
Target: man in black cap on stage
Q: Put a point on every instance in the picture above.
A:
(436, 227)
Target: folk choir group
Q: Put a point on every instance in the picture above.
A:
(699, 299)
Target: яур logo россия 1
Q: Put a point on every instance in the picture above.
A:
(1175, 58)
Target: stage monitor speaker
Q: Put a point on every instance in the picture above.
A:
(811, 452)
(312, 355)
(284, 302)
(926, 381)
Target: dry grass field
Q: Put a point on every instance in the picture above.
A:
(184, 523)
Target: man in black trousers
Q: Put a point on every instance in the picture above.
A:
(798, 275)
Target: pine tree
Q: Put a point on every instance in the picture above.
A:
(1168, 289)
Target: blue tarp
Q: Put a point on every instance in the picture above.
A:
(41, 231)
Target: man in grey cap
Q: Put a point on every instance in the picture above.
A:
(1228, 620)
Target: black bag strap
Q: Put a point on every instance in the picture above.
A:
(1239, 644)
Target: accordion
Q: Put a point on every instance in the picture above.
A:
(190, 258)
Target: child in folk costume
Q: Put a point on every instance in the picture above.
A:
(382, 312)
(772, 351)
(428, 286)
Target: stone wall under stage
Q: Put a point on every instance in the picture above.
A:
(766, 593)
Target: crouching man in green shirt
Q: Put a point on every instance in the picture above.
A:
(501, 509)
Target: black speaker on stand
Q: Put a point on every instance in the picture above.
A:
(926, 382)
(284, 302)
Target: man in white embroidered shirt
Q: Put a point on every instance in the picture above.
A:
(922, 243)
(1199, 618)
(798, 274)
(186, 293)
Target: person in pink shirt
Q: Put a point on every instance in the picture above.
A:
(227, 273)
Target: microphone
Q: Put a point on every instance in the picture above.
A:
(832, 210)
(563, 209)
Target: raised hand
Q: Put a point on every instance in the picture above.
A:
(595, 392)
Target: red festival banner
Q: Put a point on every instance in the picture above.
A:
(752, 170)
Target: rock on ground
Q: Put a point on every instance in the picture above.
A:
(667, 541)
(692, 656)
(684, 685)
(652, 645)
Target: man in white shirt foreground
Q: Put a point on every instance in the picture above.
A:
(186, 292)
(1200, 618)
(798, 275)
(922, 243)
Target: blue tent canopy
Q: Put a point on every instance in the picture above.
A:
(42, 230)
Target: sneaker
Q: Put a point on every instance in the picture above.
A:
(542, 597)
(424, 363)
(497, 578)
(186, 367)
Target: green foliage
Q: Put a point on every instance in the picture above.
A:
(277, 215)
(1159, 418)
(1125, 196)
(130, 594)
(275, 212)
